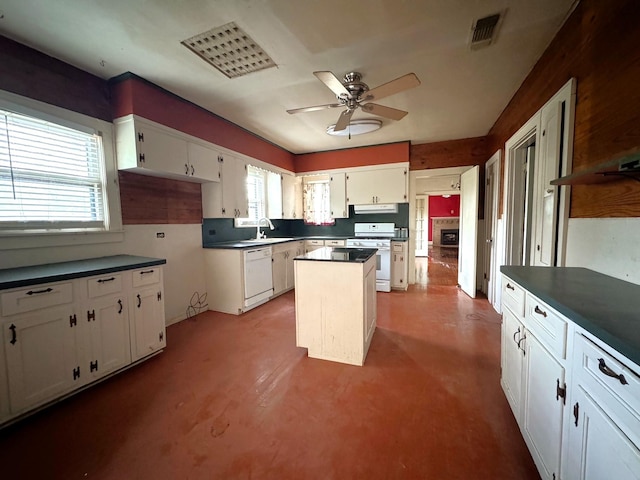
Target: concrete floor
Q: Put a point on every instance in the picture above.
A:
(233, 398)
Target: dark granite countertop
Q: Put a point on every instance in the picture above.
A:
(251, 243)
(339, 254)
(606, 307)
(56, 272)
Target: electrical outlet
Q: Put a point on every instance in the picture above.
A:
(160, 235)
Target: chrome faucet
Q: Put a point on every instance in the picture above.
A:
(262, 235)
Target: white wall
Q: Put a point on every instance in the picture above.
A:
(606, 245)
(184, 272)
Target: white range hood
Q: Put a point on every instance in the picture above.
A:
(376, 208)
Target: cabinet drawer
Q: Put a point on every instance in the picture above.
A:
(613, 384)
(104, 285)
(335, 243)
(314, 242)
(513, 296)
(396, 247)
(145, 276)
(547, 325)
(35, 297)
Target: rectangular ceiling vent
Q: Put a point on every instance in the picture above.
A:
(484, 31)
(230, 50)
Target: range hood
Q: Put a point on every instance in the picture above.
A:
(376, 208)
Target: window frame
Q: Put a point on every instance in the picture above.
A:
(112, 223)
(317, 179)
(266, 205)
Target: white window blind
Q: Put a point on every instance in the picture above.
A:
(51, 176)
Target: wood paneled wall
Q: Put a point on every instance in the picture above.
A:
(33, 74)
(352, 157)
(598, 45)
(153, 200)
(452, 153)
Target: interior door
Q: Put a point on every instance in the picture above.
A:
(489, 228)
(468, 251)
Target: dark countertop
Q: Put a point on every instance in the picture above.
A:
(339, 254)
(55, 272)
(606, 307)
(242, 244)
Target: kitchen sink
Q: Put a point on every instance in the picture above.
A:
(267, 240)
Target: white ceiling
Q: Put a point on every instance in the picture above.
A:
(461, 95)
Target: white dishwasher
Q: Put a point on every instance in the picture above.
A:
(258, 280)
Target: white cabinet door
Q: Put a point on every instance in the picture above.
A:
(227, 199)
(279, 268)
(370, 304)
(147, 321)
(543, 408)
(274, 195)
(291, 197)
(203, 163)
(162, 152)
(40, 349)
(388, 185)
(512, 361)
(338, 195)
(110, 347)
(598, 449)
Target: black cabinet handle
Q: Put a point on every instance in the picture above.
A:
(139, 300)
(13, 334)
(120, 304)
(516, 333)
(510, 287)
(602, 366)
(540, 312)
(576, 410)
(36, 292)
(105, 280)
(143, 272)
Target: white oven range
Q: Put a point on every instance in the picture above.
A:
(376, 235)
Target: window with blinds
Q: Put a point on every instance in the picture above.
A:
(264, 195)
(51, 176)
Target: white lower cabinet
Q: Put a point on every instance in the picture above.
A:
(399, 265)
(282, 265)
(512, 360)
(604, 425)
(58, 337)
(41, 352)
(544, 394)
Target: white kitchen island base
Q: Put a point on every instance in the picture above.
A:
(336, 304)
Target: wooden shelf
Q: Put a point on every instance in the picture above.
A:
(625, 165)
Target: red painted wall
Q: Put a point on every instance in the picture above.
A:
(136, 95)
(353, 157)
(443, 207)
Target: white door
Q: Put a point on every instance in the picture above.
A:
(490, 222)
(468, 251)
(109, 336)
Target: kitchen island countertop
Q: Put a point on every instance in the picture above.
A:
(339, 254)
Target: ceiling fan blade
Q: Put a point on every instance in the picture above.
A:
(331, 81)
(343, 121)
(313, 109)
(381, 110)
(398, 85)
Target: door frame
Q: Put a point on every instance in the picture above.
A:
(526, 133)
(491, 260)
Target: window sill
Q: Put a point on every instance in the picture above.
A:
(44, 240)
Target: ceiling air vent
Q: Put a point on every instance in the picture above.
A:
(230, 50)
(484, 31)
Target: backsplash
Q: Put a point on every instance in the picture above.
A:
(216, 230)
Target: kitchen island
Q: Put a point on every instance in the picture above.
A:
(336, 303)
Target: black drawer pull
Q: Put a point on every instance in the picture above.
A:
(540, 312)
(146, 271)
(105, 280)
(602, 366)
(36, 292)
(510, 287)
(516, 333)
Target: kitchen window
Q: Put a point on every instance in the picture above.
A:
(52, 173)
(317, 201)
(264, 195)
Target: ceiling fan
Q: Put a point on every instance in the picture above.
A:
(352, 93)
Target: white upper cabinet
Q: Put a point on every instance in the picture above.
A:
(383, 185)
(291, 197)
(228, 199)
(338, 195)
(149, 148)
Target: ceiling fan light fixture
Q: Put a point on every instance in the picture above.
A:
(356, 127)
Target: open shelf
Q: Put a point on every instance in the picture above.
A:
(625, 165)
